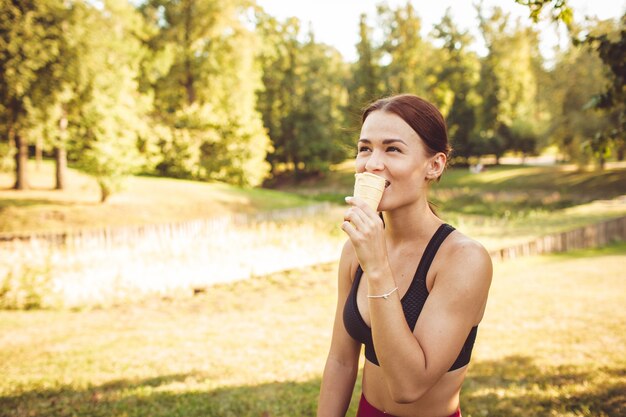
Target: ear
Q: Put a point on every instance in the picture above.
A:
(436, 165)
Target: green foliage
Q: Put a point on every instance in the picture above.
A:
(559, 10)
(457, 80)
(410, 58)
(107, 112)
(31, 47)
(204, 78)
(303, 99)
(508, 83)
(219, 90)
(26, 288)
(104, 161)
(575, 124)
(366, 84)
(611, 49)
(7, 154)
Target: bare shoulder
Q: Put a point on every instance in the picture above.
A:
(464, 257)
(466, 250)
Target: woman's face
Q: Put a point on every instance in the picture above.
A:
(390, 148)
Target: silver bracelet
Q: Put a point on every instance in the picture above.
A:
(385, 296)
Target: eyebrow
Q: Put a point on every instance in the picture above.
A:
(385, 141)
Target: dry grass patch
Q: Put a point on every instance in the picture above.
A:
(144, 200)
(548, 346)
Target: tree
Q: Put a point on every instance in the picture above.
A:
(611, 49)
(457, 79)
(303, 99)
(610, 46)
(280, 63)
(366, 80)
(319, 118)
(106, 113)
(205, 99)
(558, 9)
(30, 40)
(577, 76)
(409, 67)
(508, 83)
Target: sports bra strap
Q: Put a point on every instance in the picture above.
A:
(431, 249)
(415, 297)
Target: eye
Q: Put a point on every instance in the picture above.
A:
(393, 149)
(363, 149)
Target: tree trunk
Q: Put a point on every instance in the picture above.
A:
(60, 159)
(189, 76)
(38, 153)
(105, 191)
(11, 137)
(21, 159)
(296, 168)
(60, 154)
(191, 92)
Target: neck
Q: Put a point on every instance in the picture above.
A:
(410, 223)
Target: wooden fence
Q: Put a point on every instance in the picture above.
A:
(108, 265)
(591, 236)
(123, 263)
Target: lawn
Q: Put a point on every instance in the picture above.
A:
(502, 206)
(551, 186)
(550, 345)
(143, 200)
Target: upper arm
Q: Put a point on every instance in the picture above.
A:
(343, 347)
(455, 304)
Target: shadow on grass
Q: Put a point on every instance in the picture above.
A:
(165, 396)
(517, 387)
(27, 202)
(512, 387)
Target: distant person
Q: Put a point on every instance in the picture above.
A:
(478, 168)
(418, 323)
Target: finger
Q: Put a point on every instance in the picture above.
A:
(356, 217)
(360, 203)
(349, 229)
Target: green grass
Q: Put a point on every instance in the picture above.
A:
(144, 200)
(502, 206)
(549, 345)
(522, 190)
(512, 188)
(505, 205)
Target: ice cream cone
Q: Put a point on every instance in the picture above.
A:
(369, 187)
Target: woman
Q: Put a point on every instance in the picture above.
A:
(411, 288)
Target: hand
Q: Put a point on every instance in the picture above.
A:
(367, 233)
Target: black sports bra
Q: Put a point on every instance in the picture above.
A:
(412, 303)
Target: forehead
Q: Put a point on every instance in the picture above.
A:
(381, 125)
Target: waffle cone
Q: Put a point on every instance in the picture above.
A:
(369, 188)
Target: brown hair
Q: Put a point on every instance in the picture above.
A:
(423, 117)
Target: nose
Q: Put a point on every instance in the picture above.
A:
(375, 162)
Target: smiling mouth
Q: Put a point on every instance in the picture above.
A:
(387, 183)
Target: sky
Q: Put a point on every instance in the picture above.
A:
(335, 22)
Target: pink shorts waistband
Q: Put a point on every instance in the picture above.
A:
(368, 410)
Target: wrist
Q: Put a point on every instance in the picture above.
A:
(378, 274)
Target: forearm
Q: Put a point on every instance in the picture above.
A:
(336, 389)
(399, 354)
